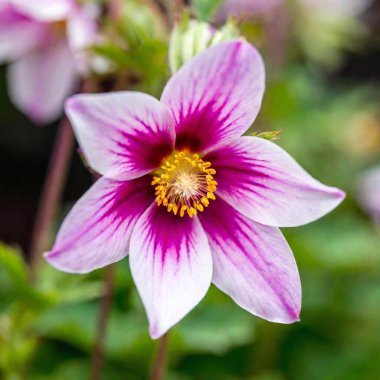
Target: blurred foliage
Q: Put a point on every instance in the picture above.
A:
(325, 30)
(134, 47)
(205, 9)
(332, 127)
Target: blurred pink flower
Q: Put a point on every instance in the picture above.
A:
(187, 197)
(44, 41)
(369, 193)
(245, 8)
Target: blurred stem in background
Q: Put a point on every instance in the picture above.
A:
(175, 8)
(115, 9)
(52, 192)
(97, 359)
(277, 35)
(47, 212)
(159, 365)
(53, 187)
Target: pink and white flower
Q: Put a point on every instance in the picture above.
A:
(190, 200)
(44, 41)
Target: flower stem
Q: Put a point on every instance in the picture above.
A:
(52, 192)
(159, 365)
(97, 359)
(115, 9)
(175, 8)
(277, 34)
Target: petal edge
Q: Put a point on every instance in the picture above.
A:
(253, 264)
(97, 230)
(264, 183)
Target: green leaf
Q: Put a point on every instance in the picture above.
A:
(14, 282)
(215, 328)
(77, 325)
(269, 135)
(12, 262)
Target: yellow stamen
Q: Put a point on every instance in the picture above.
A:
(184, 184)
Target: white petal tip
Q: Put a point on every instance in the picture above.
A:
(289, 320)
(284, 317)
(156, 332)
(296, 318)
(51, 259)
(336, 198)
(339, 194)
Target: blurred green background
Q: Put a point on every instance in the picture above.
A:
(323, 87)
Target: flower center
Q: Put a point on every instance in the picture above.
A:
(184, 184)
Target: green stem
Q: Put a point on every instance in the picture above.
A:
(159, 365)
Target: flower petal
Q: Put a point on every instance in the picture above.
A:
(171, 265)
(217, 95)
(123, 135)
(18, 34)
(82, 32)
(97, 230)
(260, 180)
(45, 10)
(253, 264)
(40, 81)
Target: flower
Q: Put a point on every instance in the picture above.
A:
(45, 43)
(368, 194)
(188, 198)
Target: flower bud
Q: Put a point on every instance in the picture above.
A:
(190, 37)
